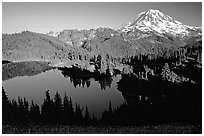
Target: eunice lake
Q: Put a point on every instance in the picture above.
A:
(96, 95)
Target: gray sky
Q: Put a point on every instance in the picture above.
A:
(44, 17)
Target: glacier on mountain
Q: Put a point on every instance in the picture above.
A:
(155, 20)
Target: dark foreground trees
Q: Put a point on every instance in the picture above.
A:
(6, 108)
(53, 111)
(146, 103)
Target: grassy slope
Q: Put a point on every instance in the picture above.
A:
(157, 129)
(30, 46)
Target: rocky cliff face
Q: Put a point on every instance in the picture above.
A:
(73, 37)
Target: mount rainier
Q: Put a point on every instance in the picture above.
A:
(156, 21)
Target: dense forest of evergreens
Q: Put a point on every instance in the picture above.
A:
(53, 111)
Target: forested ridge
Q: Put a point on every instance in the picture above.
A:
(105, 51)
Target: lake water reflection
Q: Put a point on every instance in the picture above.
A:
(133, 100)
(91, 93)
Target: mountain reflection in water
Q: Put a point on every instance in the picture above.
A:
(80, 78)
(87, 91)
(133, 100)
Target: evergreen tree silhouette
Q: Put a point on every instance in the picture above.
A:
(35, 115)
(78, 114)
(83, 83)
(48, 109)
(21, 111)
(71, 111)
(110, 113)
(26, 110)
(87, 118)
(58, 108)
(15, 112)
(32, 111)
(107, 115)
(66, 109)
(6, 108)
(26, 105)
(88, 83)
(110, 110)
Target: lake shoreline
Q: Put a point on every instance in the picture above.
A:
(25, 68)
(11, 69)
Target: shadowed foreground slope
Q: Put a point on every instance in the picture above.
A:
(158, 129)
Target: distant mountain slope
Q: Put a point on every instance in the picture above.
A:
(35, 46)
(30, 46)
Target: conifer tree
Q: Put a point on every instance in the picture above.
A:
(78, 114)
(15, 111)
(6, 108)
(71, 111)
(58, 108)
(110, 108)
(48, 109)
(87, 117)
(35, 115)
(26, 106)
(58, 103)
(66, 109)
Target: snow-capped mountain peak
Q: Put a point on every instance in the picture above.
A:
(54, 34)
(155, 20)
(153, 16)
